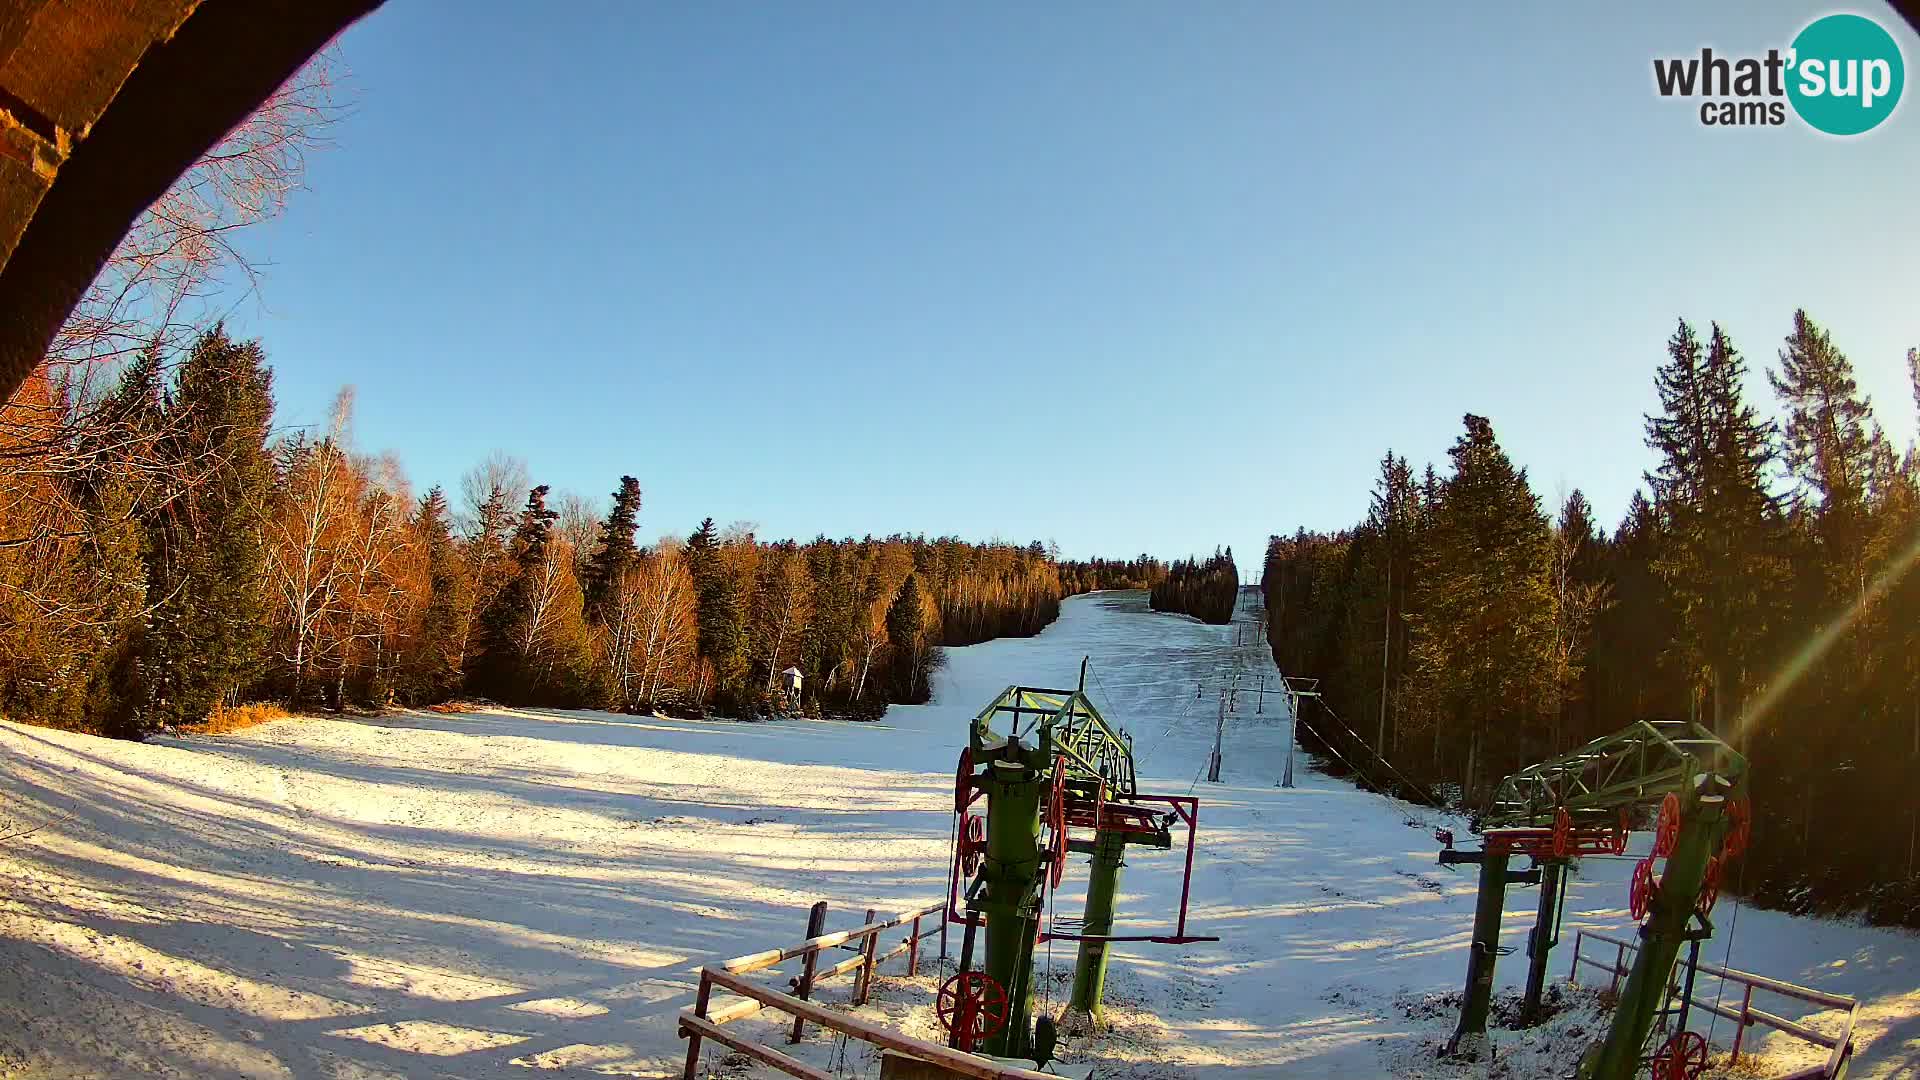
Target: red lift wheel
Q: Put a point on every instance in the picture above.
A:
(1709, 888)
(1058, 845)
(973, 844)
(1562, 832)
(1739, 831)
(963, 781)
(1621, 833)
(1682, 1057)
(972, 1006)
(1666, 832)
(1057, 821)
(1640, 893)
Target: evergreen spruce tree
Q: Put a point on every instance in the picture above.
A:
(437, 649)
(206, 635)
(1913, 377)
(113, 556)
(1830, 445)
(1722, 562)
(721, 622)
(616, 553)
(487, 567)
(503, 670)
(1389, 529)
(906, 632)
(1484, 621)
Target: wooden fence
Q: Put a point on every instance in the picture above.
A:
(705, 1019)
(1840, 1046)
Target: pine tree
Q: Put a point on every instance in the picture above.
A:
(111, 558)
(1578, 595)
(1390, 528)
(206, 636)
(616, 552)
(906, 631)
(1710, 488)
(488, 566)
(1830, 445)
(509, 623)
(1484, 618)
(722, 631)
(1913, 377)
(436, 655)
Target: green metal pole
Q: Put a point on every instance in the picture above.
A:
(1618, 1058)
(1090, 973)
(1011, 899)
(1478, 1000)
(1540, 943)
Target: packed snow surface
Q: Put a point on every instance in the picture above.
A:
(528, 894)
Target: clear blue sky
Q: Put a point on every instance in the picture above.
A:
(1130, 276)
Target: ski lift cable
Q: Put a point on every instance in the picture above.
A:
(1146, 752)
(1726, 957)
(1378, 753)
(1355, 736)
(1328, 744)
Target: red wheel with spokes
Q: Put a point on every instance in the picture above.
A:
(1057, 822)
(1682, 1057)
(1621, 832)
(1640, 892)
(963, 781)
(1739, 829)
(1666, 832)
(972, 1006)
(1562, 832)
(1709, 888)
(973, 844)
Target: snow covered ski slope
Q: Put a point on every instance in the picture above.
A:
(526, 894)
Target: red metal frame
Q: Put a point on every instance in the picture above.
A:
(1121, 816)
(1187, 809)
(953, 913)
(1551, 843)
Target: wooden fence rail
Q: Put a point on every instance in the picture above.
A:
(1840, 1046)
(703, 1021)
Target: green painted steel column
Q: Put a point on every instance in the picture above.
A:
(1011, 899)
(1540, 943)
(1478, 999)
(1618, 1058)
(1103, 886)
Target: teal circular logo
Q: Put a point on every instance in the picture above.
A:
(1845, 74)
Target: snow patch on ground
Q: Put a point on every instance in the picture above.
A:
(529, 894)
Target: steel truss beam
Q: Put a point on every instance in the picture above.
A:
(1635, 766)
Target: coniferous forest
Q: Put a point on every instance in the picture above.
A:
(166, 555)
(1205, 590)
(1143, 572)
(1761, 582)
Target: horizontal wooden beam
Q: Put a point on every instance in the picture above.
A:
(963, 1063)
(762, 960)
(766, 1055)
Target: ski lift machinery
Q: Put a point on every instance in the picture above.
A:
(1056, 779)
(1585, 803)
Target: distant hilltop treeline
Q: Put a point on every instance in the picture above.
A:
(163, 553)
(1205, 590)
(1762, 582)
